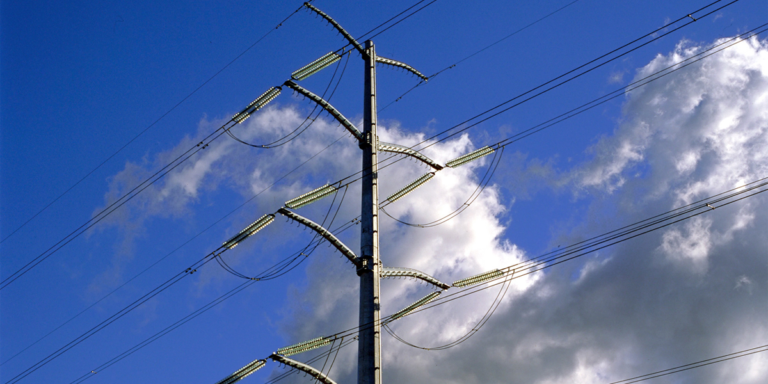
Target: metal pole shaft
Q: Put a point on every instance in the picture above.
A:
(369, 343)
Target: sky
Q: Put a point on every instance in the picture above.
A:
(95, 97)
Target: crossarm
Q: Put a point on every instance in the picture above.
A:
(326, 234)
(302, 367)
(328, 107)
(338, 28)
(389, 147)
(407, 272)
(405, 66)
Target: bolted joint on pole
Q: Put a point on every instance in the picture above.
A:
(366, 265)
(369, 140)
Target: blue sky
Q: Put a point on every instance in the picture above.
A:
(80, 79)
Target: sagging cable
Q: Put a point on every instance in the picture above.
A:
(311, 196)
(484, 151)
(326, 234)
(257, 104)
(398, 64)
(394, 148)
(477, 279)
(410, 187)
(338, 28)
(315, 66)
(328, 107)
(303, 347)
(302, 367)
(421, 302)
(243, 372)
(249, 230)
(407, 272)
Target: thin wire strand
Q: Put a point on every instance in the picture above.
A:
(698, 364)
(184, 244)
(293, 135)
(466, 204)
(476, 53)
(702, 209)
(650, 34)
(151, 125)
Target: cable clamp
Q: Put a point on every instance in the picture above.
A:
(366, 265)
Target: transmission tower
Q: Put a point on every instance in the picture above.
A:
(368, 264)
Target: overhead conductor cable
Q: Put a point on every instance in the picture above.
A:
(311, 196)
(315, 66)
(484, 151)
(249, 230)
(257, 104)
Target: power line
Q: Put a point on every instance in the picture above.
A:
(182, 245)
(586, 247)
(476, 328)
(723, 199)
(127, 309)
(494, 164)
(589, 105)
(650, 34)
(115, 205)
(285, 139)
(268, 274)
(477, 52)
(138, 189)
(152, 124)
(698, 364)
(539, 265)
(600, 242)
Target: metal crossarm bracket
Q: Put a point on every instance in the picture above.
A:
(302, 367)
(405, 66)
(389, 147)
(326, 234)
(328, 107)
(243, 372)
(407, 272)
(339, 28)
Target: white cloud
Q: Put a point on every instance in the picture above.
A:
(623, 313)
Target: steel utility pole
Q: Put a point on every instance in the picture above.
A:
(368, 263)
(369, 347)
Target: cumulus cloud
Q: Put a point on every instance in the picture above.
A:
(669, 298)
(690, 292)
